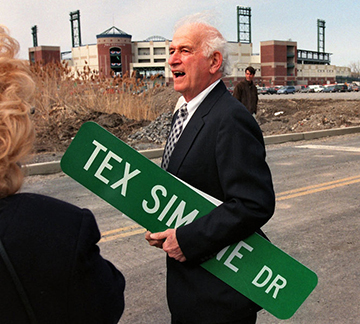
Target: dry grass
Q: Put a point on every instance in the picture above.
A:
(57, 88)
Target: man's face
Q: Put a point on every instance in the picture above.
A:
(248, 76)
(189, 66)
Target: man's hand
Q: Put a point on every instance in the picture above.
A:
(168, 242)
(153, 242)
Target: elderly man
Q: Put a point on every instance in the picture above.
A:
(219, 149)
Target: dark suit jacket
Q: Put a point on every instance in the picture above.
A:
(52, 246)
(222, 153)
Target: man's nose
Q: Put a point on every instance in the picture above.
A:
(174, 58)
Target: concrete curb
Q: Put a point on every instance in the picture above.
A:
(278, 139)
(54, 167)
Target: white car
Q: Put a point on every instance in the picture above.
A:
(317, 88)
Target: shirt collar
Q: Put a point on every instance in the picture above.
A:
(194, 103)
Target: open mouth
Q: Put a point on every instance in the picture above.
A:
(178, 74)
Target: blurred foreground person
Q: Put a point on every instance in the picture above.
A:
(51, 270)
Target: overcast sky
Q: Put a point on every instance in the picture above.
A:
(271, 20)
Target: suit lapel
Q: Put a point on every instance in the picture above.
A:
(193, 128)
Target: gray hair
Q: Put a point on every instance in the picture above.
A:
(214, 41)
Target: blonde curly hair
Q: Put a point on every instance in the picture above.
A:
(16, 130)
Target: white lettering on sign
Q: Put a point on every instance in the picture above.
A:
(156, 199)
(124, 181)
(105, 164)
(233, 254)
(177, 215)
(94, 154)
(167, 207)
(278, 283)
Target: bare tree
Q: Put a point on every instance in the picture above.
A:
(355, 69)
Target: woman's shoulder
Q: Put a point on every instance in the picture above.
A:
(38, 206)
(35, 213)
(40, 201)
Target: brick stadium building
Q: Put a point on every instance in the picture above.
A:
(279, 62)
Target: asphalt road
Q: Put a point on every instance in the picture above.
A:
(316, 221)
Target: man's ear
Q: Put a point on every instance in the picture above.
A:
(216, 61)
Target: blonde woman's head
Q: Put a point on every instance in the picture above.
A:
(16, 130)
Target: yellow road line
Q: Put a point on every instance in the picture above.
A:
(122, 235)
(331, 148)
(137, 229)
(121, 229)
(316, 188)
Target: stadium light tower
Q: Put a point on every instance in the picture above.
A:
(75, 28)
(321, 35)
(34, 34)
(244, 25)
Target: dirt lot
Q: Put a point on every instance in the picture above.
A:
(285, 116)
(280, 116)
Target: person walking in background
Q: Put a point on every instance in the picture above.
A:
(51, 270)
(246, 91)
(215, 146)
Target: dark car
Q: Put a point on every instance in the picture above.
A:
(329, 89)
(341, 88)
(271, 90)
(266, 91)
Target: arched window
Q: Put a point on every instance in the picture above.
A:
(115, 60)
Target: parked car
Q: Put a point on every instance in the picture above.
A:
(340, 87)
(305, 89)
(286, 90)
(329, 89)
(316, 88)
(355, 87)
(266, 91)
(262, 90)
(272, 90)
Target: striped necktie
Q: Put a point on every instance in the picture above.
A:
(174, 135)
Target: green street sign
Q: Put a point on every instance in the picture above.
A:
(157, 200)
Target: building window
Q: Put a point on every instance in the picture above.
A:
(144, 51)
(115, 60)
(159, 51)
(32, 57)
